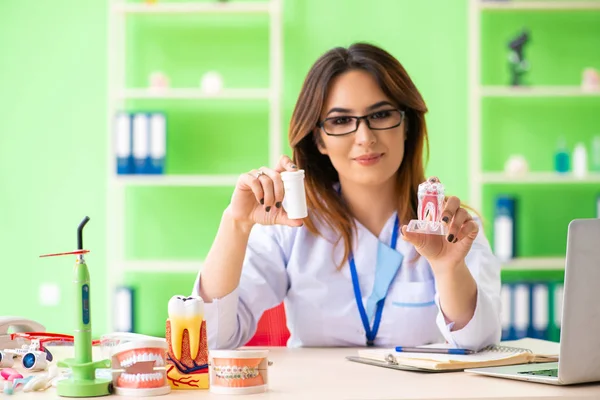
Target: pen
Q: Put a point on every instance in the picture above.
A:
(402, 349)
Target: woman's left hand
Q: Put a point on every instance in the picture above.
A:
(449, 251)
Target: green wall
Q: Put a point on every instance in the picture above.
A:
(53, 127)
(52, 152)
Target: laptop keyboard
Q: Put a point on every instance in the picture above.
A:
(542, 372)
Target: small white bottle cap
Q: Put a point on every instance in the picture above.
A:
(294, 199)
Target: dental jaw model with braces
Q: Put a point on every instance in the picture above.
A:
(138, 364)
(429, 210)
(187, 359)
(239, 371)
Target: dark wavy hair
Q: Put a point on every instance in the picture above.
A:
(321, 176)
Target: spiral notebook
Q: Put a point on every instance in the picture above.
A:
(490, 356)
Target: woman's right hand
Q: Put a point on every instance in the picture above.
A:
(258, 196)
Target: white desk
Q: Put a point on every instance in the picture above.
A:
(311, 374)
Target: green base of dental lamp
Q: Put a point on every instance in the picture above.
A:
(82, 382)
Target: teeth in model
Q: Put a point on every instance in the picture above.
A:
(185, 313)
(142, 357)
(142, 377)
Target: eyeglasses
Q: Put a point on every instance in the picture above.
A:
(346, 124)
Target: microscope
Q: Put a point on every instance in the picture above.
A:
(516, 58)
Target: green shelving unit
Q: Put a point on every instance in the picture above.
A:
(160, 227)
(529, 120)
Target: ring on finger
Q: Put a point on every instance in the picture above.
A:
(259, 173)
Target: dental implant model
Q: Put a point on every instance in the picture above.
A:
(431, 200)
(187, 356)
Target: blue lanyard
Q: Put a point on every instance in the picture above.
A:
(371, 333)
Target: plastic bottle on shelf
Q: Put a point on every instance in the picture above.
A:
(595, 154)
(504, 228)
(580, 163)
(561, 158)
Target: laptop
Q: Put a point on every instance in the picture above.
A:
(579, 354)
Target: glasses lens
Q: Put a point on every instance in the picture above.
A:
(342, 125)
(385, 119)
(339, 125)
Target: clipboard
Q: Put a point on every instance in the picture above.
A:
(490, 356)
(391, 364)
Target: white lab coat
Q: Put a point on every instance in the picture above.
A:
(292, 265)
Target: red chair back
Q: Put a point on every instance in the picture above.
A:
(272, 329)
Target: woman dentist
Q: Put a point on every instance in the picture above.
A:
(350, 274)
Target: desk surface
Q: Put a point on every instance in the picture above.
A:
(312, 373)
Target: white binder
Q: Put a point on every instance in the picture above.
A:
(123, 143)
(141, 143)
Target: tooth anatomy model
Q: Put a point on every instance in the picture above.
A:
(187, 357)
(431, 199)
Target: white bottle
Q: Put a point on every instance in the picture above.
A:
(294, 199)
(595, 157)
(504, 229)
(580, 164)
